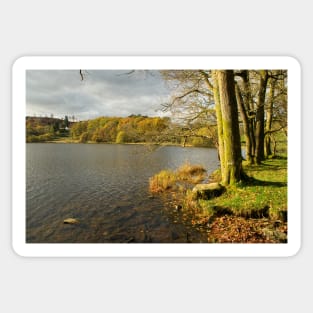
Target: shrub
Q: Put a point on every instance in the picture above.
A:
(40, 138)
(197, 141)
(45, 137)
(32, 138)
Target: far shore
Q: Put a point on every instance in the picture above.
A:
(72, 141)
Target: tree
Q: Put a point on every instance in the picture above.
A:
(66, 121)
(192, 105)
(209, 96)
(259, 125)
(228, 127)
(269, 119)
(246, 126)
(247, 113)
(276, 110)
(121, 137)
(262, 102)
(56, 126)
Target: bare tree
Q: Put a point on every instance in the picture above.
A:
(210, 96)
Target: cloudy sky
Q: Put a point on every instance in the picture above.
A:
(101, 93)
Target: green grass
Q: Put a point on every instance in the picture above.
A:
(264, 194)
(253, 211)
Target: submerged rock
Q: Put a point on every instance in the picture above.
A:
(178, 207)
(207, 191)
(71, 221)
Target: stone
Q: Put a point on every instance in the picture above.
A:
(70, 221)
(207, 191)
(178, 207)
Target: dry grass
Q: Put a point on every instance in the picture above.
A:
(193, 174)
(162, 181)
(187, 170)
(167, 179)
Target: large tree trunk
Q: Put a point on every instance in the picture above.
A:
(249, 106)
(259, 126)
(232, 160)
(219, 123)
(246, 125)
(269, 118)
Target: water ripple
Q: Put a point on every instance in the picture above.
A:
(106, 188)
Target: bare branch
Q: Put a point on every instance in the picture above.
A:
(206, 78)
(190, 92)
(274, 130)
(127, 73)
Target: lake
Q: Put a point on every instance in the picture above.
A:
(105, 187)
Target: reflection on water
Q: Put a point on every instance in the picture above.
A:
(106, 188)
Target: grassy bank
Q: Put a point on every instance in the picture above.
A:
(266, 190)
(254, 211)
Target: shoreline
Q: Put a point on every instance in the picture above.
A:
(124, 143)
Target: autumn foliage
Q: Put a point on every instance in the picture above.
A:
(131, 129)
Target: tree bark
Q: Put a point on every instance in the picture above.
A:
(232, 159)
(249, 106)
(219, 120)
(269, 118)
(259, 126)
(246, 125)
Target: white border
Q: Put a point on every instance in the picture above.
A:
(155, 250)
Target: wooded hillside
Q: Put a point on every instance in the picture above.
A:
(131, 129)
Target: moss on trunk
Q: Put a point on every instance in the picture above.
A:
(231, 167)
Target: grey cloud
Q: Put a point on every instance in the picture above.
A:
(103, 92)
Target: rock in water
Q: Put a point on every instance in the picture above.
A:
(207, 191)
(178, 207)
(70, 221)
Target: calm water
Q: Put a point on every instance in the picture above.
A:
(106, 188)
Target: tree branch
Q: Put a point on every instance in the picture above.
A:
(274, 130)
(206, 78)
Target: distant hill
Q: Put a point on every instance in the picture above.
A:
(131, 129)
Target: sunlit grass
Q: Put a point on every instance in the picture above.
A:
(167, 179)
(162, 181)
(265, 192)
(187, 170)
(254, 210)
